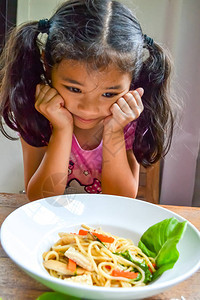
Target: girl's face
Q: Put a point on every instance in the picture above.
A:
(88, 94)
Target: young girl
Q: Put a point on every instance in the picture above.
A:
(87, 92)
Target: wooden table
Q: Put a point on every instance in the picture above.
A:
(16, 285)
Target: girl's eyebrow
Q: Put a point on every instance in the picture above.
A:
(72, 81)
(116, 87)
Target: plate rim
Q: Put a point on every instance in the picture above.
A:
(108, 290)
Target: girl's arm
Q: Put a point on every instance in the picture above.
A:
(120, 170)
(46, 168)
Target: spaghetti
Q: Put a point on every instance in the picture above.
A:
(97, 258)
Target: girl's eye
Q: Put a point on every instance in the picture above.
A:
(109, 95)
(73, 89)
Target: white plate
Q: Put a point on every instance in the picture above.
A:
(33, 228)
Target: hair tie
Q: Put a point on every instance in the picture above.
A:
(148, 40)
(44, 25)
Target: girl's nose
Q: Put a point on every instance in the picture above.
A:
(89, 105)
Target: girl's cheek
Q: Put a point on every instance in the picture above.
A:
(108, 110)
(66, 102)
(68, 106)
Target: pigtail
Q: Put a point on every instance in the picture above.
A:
(20, 72)
(155, 124)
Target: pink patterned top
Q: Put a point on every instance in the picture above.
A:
(84, 172)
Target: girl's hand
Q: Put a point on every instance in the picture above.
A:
(51, 105)
(124, 110)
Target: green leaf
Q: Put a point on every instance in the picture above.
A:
(56, 296)
(160, 241)
(142, 265)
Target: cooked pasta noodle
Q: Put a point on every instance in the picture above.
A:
(97, 258)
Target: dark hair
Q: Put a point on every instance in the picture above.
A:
(97, 32)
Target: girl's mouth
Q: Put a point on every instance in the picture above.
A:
(85, 120)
